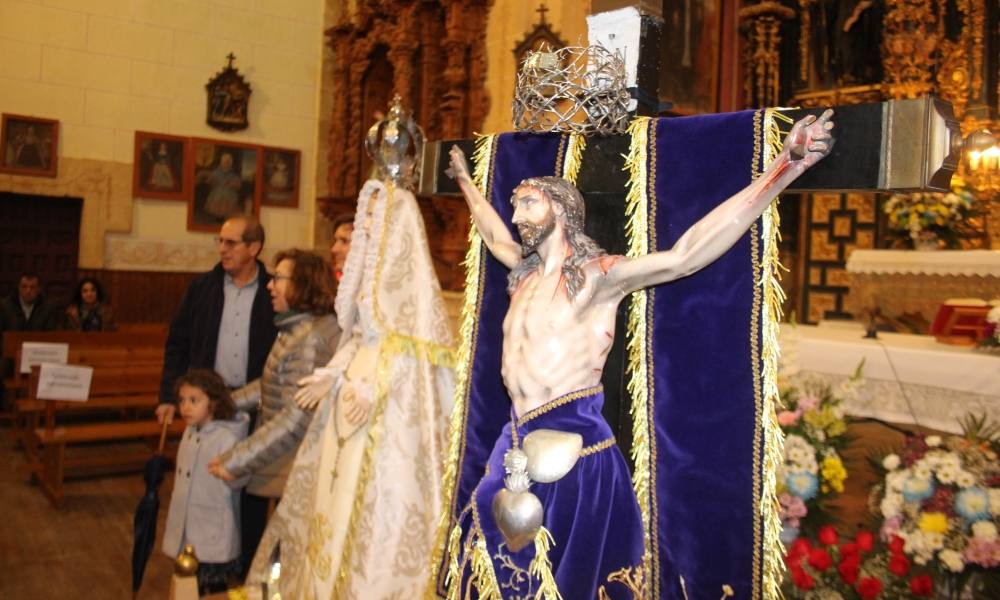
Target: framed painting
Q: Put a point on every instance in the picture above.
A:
(28, 145)
(690, 64)
(225, 182)
(158, 166)
(280, 180)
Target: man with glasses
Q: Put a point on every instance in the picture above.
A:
(225, 322)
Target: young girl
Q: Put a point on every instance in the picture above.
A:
(204, 510)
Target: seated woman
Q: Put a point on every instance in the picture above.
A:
(89, 310)
(302, 296)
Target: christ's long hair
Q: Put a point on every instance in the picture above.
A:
(582, 248)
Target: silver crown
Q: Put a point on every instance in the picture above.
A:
(580, 89)
(396, 145)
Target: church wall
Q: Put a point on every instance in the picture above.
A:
(106, 68)
(509, 22)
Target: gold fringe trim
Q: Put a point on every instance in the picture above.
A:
(541, 567)
(574, 157)
(437, 354)
(637, 232)
(483, 577)
(454, 547)
(774, 441)
(463, 366)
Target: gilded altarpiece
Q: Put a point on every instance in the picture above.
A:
(950, 48)
(431, 53)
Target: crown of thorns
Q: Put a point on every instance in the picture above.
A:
(579, 89)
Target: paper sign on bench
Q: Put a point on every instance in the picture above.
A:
(36, 353)
(64, 382)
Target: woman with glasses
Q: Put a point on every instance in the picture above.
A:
(303, 300)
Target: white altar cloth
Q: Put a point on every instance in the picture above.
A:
(942, 383)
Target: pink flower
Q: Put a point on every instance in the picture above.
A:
(787, 418)
(808, 402)
(792, 509)
(983, 553)
(890, 527)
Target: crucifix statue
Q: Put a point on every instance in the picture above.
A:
(673, 331)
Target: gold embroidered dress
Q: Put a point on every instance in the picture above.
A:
(359, 511)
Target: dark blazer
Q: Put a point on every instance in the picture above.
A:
(43, 316)
(194, 331)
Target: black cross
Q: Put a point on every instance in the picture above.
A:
(231, 58)
(541, 12)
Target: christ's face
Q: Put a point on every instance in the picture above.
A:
(533, 217)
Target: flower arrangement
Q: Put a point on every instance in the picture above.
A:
(831, 568)
(815, 433)
(940, 501)
(927, 217)
(992, 339)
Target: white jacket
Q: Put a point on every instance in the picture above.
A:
(204, 510)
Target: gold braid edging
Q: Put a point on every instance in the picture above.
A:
(574, 157)
(637, 232)
(774, 440)
(482, 159)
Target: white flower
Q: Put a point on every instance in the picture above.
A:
(965, 479)
(922, 471)
(891, 505)
(948, 474)
(894, 481)
(994, 315)
(891, 462)
(952, 560)
(933, 441)
(984, 530)
(994, 501)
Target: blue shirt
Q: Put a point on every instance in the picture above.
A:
(232, 347)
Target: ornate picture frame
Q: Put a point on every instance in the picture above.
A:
(29, 145)
(280, 177)
(159, 167)
(228, 106)
(225, 180)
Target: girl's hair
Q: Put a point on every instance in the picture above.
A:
(312, 282)
(211, 383)
(78, 296)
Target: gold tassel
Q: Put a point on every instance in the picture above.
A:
(483, 576)
(541, 567)
(637, 231)
(574, 157)
(774, 441)
(453, 549)
(481, 177)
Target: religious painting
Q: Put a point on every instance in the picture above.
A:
(280, 181)
(228, 99)
(225, 182)
(28, 145)
(158, 166)
(689, 69)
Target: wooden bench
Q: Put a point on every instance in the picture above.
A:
(134, 388)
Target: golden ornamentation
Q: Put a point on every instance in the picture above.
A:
(319, 533)
(856, 94)
(186, 564)
(762, 58)
(633, 578)
(574, 157)
(557, 402)
(911, 44)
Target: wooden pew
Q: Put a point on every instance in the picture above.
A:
(16, 383)
(111, 388)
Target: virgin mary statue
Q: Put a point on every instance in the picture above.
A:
(359, 511)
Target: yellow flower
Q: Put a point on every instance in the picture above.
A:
(933, 522)
(833, 472)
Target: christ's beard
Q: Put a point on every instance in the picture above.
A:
(533, 235)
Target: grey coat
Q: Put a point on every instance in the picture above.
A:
(304, 343)
(204, 510)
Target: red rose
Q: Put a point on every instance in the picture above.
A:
(869, 587)
(849, 549)
(896, 544)
(800, 547)
(820, 559)
(865, 540)
(899, 565)
(848, 570)
(803, 580)
(922, 585)
(827, 535)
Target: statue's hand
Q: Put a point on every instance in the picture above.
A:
(810, 140)
(357, 409)
(312, 389)
(459, 169)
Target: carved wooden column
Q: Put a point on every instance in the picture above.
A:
(910, 47)
(762, 61)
